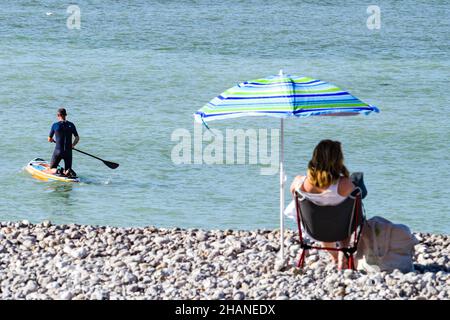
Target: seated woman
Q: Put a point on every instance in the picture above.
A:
(327, 182)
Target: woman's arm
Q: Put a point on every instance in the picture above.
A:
(345, 187)
(296, 183)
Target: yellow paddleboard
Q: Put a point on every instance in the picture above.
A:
(38, 168)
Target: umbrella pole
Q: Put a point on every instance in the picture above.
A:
(282, 181)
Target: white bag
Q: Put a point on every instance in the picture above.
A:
(291, 211)
(385, 246)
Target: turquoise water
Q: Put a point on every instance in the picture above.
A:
(137, 70)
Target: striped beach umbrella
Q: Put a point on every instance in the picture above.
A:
(282, 96)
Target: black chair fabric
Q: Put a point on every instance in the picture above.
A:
(331, 223)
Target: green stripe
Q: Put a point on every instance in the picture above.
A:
(230, 93)
(268, 81)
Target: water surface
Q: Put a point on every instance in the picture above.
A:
(137, 70)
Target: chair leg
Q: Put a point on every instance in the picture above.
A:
(351, 262)
(301, 261)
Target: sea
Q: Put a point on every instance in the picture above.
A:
(132, 73)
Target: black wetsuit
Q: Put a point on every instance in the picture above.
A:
(63, 131)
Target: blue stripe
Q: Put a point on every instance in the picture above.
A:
(289, 104)
(334, 110)
(289, 96)
(296, 85)
(203, 115)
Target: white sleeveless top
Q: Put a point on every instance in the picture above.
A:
(329, 197)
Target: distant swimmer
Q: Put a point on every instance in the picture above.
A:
(63, 131)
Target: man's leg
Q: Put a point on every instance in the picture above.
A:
(67, 163)
(56, 159)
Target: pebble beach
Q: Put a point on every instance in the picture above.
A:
(46, 261)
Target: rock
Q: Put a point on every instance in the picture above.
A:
(201, 236)
(410, 277)
(431, 290)
(239, 295)
(229, 252)
(268, 247)
(161, 240)
(118, 264)
(178, 258)
(41, 236)
(339, 292)
(28, 244)
(218, 295)
(53, 285)
(129, 278)
(305, 280)
(209, 283)
(280, 264)
(348, 273)
(418, 237)
(420, 248)
(66, 295)
(133, 288)
(46, 223)
(79, 253)
(428, 276)
(30, 287)
(68, 250)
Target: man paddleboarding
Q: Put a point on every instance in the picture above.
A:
(63, 131)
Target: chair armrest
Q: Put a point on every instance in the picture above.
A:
(358, 180)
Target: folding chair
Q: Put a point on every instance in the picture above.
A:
(330, 224)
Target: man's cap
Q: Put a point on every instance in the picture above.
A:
(62, 111)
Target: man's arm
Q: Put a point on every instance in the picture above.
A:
(75, 141)
(50, 135)
(77, 137)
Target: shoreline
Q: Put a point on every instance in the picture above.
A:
(47, 261)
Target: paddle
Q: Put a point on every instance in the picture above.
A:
(109, 164)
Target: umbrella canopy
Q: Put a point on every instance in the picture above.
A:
(282, 96)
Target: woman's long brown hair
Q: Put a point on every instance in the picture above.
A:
(326, 164)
